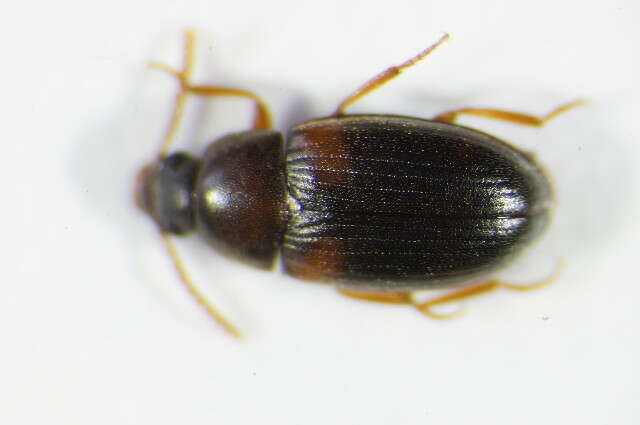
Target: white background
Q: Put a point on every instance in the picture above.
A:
(94, 327)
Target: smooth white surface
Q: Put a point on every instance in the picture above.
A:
(94, 326)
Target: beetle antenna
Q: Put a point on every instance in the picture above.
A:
(212, 312)
(183, 77)
(262, 116)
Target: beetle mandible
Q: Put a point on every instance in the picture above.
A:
(380, 205)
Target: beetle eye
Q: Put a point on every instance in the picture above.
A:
(141, 188)
(164, 191)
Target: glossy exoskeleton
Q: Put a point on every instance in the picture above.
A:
(379, 204)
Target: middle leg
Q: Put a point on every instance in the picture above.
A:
(385, 76)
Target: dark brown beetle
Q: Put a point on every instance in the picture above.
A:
(380, 205)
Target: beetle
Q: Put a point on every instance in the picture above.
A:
(380, 205)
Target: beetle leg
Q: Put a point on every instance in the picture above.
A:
(479, 289)
(262, 117)
(379, 297)
(398, 298)
(385, 76)
(426, 307)
(514, 117)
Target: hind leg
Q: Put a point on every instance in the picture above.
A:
(509, 116)
(426, 307)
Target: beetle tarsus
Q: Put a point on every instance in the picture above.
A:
(426, 307)
(508, 116)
